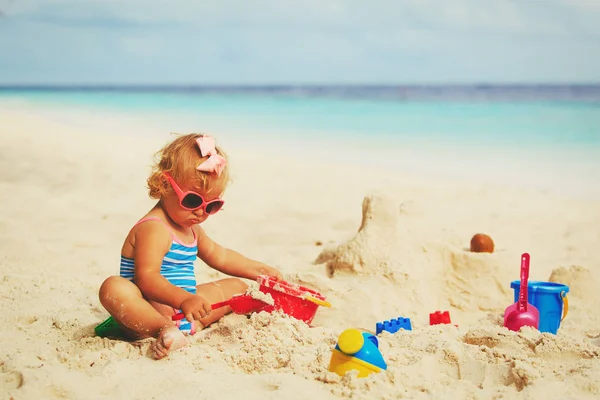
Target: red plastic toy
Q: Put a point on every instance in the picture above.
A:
(439, 317)
(240, 304)
(294, 300)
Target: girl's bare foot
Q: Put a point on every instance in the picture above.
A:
(169, 339)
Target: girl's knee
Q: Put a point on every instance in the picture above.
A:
(114, 287)
(234, 285)
(223, 289)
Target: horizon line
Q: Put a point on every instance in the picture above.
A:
(146, 86)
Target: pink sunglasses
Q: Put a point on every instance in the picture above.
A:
(192, 201)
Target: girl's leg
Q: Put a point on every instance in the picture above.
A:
(124, 301)
(218, 291)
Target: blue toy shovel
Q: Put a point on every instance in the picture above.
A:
(522, 313)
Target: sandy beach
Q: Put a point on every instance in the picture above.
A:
(72, 188)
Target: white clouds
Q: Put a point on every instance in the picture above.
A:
(536, 17)
(304, 41)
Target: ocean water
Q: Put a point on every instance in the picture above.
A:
(546, 116)
(467, 126)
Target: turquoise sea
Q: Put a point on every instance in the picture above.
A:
(560, 123)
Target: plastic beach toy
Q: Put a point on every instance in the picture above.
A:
(294, 300)
(550, 299)
(521, 313)
(241, 304)
(439, 317)
(109, 328)
(393, 325)
(356, 350)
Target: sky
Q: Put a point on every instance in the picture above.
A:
(257, 42)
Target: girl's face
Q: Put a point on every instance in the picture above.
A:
(189, 206)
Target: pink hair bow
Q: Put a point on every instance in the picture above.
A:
(215, 162)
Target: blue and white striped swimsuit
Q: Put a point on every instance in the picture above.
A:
(177, 267)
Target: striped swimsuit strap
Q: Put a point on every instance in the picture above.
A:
(173, 236)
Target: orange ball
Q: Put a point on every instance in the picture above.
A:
(482, 243)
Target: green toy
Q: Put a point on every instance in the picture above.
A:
(109, 328)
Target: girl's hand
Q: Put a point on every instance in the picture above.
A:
(268, 271)
(195, 308)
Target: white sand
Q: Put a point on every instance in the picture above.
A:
(72, 187)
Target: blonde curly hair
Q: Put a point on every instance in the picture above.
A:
(180, 158)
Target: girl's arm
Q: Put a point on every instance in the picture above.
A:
(231, 262)
(152, 242)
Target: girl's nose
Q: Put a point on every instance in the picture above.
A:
(199, 212)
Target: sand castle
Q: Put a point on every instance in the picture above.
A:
(373, 249)
(384, 247)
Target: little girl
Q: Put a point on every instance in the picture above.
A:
(157, 259)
